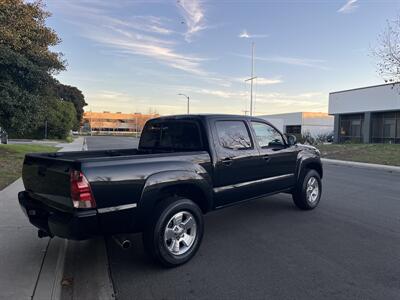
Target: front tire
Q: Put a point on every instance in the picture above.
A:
(307, 193)
(174, 235)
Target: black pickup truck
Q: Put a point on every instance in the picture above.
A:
(185, 166)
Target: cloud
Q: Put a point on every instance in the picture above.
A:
(234, 101)
(275, 97)
(136, 35)
(112, 96)
(143, 45)
(108, 100)
(221, 93)
(304, 99)
(149, 24)
(193, 13)
(267, 103)
(261, 80)
(348, 7)
(296, 61)
(267, 81)
(244, 34)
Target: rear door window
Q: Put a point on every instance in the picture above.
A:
(233, 135)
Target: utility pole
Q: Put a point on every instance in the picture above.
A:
(251, 78)
(90, 121)
(136, 125)
(187, 97)
(45, 129)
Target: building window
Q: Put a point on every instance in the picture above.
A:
(351, 128)
(293, 129)
(386, 127)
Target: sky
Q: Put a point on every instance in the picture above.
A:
(137, 56)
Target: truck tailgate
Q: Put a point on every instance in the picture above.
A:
(47, 179)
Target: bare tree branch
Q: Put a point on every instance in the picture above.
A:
(388, 52)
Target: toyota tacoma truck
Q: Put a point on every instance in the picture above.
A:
(184, 167)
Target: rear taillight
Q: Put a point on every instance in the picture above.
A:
(81, 193)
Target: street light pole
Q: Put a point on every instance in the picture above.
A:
(187, 97)
(251, 79)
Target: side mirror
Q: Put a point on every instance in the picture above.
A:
(291, 139)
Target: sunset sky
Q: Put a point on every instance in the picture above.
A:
(132, 56)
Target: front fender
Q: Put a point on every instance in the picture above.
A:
(310, 161)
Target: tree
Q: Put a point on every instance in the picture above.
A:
(60, 117)
(28, 91)
(388, 52)
(23, 30)
(75, 96)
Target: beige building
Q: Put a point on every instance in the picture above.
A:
(108, 122)
(314, 123)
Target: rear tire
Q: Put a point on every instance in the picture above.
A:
(174, 235)
(308, 190)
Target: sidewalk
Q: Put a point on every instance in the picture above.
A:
(33, 142)
(22, 253)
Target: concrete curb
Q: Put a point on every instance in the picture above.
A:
(51, 276)
(361, 165)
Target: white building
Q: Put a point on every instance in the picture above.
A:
(314, 123)
(369, 114)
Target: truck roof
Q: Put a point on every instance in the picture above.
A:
(207, 116)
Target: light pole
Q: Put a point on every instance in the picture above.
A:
(90, 121)
(187, 97)
(251, 79)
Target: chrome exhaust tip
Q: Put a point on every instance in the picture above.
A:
(122, 241)
(42, 234)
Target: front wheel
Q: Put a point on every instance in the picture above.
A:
(307, 193)
(175, 234)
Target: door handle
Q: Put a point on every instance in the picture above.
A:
(227, 161)
(266, 157)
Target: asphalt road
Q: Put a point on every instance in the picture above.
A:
(111, 142)
(347, 248)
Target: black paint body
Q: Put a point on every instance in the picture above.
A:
(127, 184)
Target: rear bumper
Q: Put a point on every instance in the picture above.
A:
(74, 225)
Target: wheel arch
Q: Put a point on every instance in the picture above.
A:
(188, 190)
(167, 184)
(310, 164)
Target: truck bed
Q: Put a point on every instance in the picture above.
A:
(46, 176)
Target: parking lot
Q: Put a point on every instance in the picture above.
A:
(348, 248)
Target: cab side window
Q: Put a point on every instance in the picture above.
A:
(233, 135)
(267, 136)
